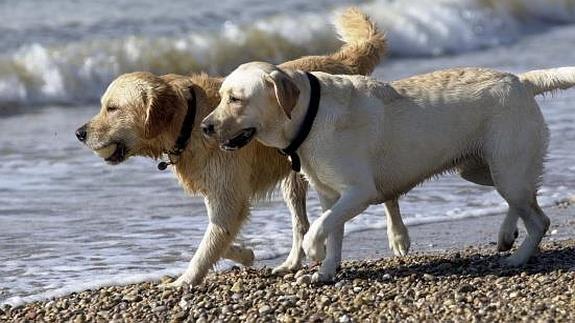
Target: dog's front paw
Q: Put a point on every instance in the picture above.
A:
(182, 281)
(241, 255)
(326, 272)
(320, 277)
(247, 258)
(287, 266)
(399, 243)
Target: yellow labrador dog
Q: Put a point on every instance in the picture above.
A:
(362, 142)
(147, 115)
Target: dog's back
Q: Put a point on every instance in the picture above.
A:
(423, 125)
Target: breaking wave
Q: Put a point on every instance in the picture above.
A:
(78, 72)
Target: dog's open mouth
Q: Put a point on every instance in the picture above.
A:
(113, 153)
(240, 140)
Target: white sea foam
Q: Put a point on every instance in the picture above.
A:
(120, 280)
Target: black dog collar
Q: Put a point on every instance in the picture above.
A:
(185, 133)
(305, 128)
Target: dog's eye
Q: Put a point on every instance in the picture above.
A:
(111, 108)
(234, 99)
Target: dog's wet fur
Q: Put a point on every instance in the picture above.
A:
(142, 113)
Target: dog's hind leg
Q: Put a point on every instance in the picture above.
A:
(519, 190)
(397, 234)
(294, 189)
(536, 223)
(515, 157)
(226, 214)
(478, 172)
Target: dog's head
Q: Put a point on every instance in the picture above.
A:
(135, 111)
(256, 100)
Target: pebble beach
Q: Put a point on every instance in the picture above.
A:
(81, 241)
(460, 285)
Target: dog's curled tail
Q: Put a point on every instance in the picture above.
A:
(364, 45)
(549, 80)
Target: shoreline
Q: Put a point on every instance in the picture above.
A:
(454, 235)
(452, 272)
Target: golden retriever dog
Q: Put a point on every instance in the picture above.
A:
(143, 115)
(369, 142)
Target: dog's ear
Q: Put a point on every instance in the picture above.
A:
(161, 103)
(285, 90)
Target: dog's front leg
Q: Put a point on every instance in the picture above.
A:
(294, 189)
(226, 214)
(397, 234)
(351, 202)
(332, 261)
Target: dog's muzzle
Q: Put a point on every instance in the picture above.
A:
(237, 142)
(114, 153)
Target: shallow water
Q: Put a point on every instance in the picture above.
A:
(69, 221)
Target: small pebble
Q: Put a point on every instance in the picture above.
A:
(265, 309)
(300, 273)
(303, 280)
(428, 277)
(159, 309)
(237, 287)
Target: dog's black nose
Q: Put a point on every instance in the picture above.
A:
(208, 129)
(81, 133)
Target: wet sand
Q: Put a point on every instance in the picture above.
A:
(453, 273)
